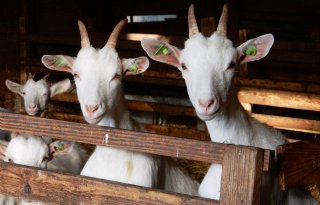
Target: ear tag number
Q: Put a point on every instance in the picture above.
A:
(133, 68)
(59, 147)
(59, 62)
(250, 50)
(162, 50)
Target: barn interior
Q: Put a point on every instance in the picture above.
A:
(281, 90)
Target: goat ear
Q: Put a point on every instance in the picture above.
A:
(255, 49)
(60, 87)
(134, 66)
(3, 149)
(161, 51)
(14, 87)
(58, 62)
(60, 147)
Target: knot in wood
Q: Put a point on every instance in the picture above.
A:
(27, 189)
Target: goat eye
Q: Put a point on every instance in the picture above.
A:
(10, 160)
(183, 67)
(44, 94)
(116, 76)
(23, 93)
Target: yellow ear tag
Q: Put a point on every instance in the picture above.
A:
(59, 62)
(162, 50)
(59, 147)
(133, 68)
(250, 50)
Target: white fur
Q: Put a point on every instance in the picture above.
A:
(205, 66)
(94, 71)
(37, 93)
(33, 151)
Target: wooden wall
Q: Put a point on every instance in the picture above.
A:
(295, 25)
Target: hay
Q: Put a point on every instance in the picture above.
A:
(315, 192)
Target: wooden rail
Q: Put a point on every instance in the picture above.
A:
(37, 184)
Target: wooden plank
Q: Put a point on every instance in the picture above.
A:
(157, 129)
(47, 186)
(112, 137)
(277, 84)
(290, 123)
(286, 99)
(307, 155)
(241, 176)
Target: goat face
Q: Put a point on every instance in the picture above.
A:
(208, 64)
(97, 73)
(27, 150)
(34, 93)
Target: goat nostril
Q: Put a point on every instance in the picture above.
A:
(32, 106)
(206, 103)
(92, 108)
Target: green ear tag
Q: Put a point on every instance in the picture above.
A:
(59, 147)
(162, 50)
(59, 62)
(133, 68)
(250, 50)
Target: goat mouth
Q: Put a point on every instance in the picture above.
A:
(32, 112)
(94, 120)
(206, 116)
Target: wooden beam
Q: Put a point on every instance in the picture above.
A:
(307, 155)
(57, 188)
(286, 99)
(290, 123)
(157, 129)
(241, 176)
(112, 137)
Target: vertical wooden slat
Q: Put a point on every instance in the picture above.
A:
(241, 176)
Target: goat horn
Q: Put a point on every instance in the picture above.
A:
(85, 43)
(30, 76)
(222, 26)
(193, 27)
(112, 41)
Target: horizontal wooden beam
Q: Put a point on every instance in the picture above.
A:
(47, 186)
(112, 137)
(290, 123)
(276, 98)
(306, 154)
(157, 129)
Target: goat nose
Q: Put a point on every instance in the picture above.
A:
(91, 108)
(206, 102)
(32, 106)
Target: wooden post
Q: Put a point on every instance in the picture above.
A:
(241, 176)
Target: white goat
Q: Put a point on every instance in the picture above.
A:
(37, 93)
(33, 151)
(98, 74)
(208, 66)
(5, 200)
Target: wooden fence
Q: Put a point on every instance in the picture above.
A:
(241, 180)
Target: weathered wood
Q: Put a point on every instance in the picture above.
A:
(307, 155)
(112, 137)
(285, 99)
(57, 188)
(277, 85)
(157, 129)
(241, 176)
(290, 123)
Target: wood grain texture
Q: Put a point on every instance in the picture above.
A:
(286, 99)
(57, 188)
(117, 138)
(290, 123)
(241, 176)
(307, 155)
